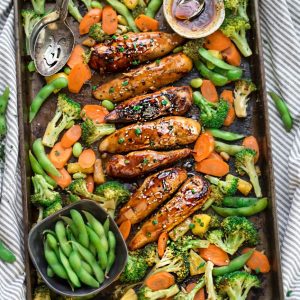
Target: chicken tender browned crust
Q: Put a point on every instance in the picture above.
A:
(163, 133)
(132, 49)
(171, 100)
(138, 163)
(146, 78)
(155, 190)
(190, 197)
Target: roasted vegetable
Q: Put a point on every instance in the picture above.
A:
(238, 7)
(191, 295)
(200, 224)
(96, 33)
(228, 187)
(53, 208)
(146, 293)
(41, 292)
(74, 11)
(39, 6)
(191, 49)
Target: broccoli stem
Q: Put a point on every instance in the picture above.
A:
(250, 169)
(74, 11)
(241, 42)
(38, 6)
(229, 149)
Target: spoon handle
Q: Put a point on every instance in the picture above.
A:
(62, 8)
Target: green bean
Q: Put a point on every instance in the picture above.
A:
(232, 75)
(70, 224)
(236, 264)
(96, 4)
(229, 149)
(90, 259)
(108, 105)
(5, 254)
(207, 56)
(4, 101)
(60, 231)
(96, 242)
(125, 12)
(238, 201)
(106, 226)
(44, 93)
(31, 67)
(256, 208)
(37, 169)
(217, 79)
(53, 243)
(39, 152)
(153, 7)
(71, 274)
(53, 262)
(77, 149)
(67, 70)
(225, 135)
(84, 276)
(98, 228)
(196, 83)
(283, 110)
(50, 272)
(82, 237)
(178, 49)
(111, 254)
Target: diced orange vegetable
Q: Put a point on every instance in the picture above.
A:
(251, 143)
(145, 23)
(125, 229)
(90, 183)
(160, 281)
(94, 112)
(109, 20)
(64, 180)
(215, 155)
(76, 56)
(232, 55)
(71, 136)
(217, 41)
(99, 176)
(258, 261)
(204, 146)
(92, 17)
(87, 158)
(228, 96)
(214, 167)
(209, 91)
(60, 155)
(79, 75)
(162, 243)
(214, 254)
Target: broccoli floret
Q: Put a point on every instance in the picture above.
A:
(183, 295)
(150, 254)
(30, 18)
(236, 285)
(212, 115)
(96, 32)
(44, 195)
(187, 242)
(74, 11)
(244, 163)
(140, 9)
(191, 49)
(42, 293)
(135, 269)
(234, 232)
(238, 7)
(173, 261)
(235, 28)
(146, 293)
(53, 208)
(228, 187)
(242, 90)
(39, 6)
(231, 4)
(73, 198)
(92, 132)
(66, 111)
(215, 197)
(113, 190)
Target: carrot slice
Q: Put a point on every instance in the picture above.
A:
(228, 96)
(79, 75)
(160, 281)
(162, 243)
(125, 229)
(60, 155)
(109, 20)
(209, 91)
(215, 155)
(214, 167)
(217, 41)
(71, 136)
(76, 56)
(64, 180)
(90, 184)
(214, 254)
(258, 261)
(145, 23)
(204, 146)
(87, 158)
(96, 113)
(92, 17)
(232, 55)
(251, 143)
(200, 295)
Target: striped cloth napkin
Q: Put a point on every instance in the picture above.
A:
(281, 42)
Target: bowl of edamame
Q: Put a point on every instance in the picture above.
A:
(79, 251)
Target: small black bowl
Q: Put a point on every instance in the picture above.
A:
(36, 250)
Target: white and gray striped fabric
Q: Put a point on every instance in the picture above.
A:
(281, 42)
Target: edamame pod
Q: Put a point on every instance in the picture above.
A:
(153, 7)
(82, 236)
(70, 224)
(52, 242)
(238, 201)
(60, 231)
(111, 254)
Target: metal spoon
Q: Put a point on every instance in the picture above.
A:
(191, 8)
(54, 43)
